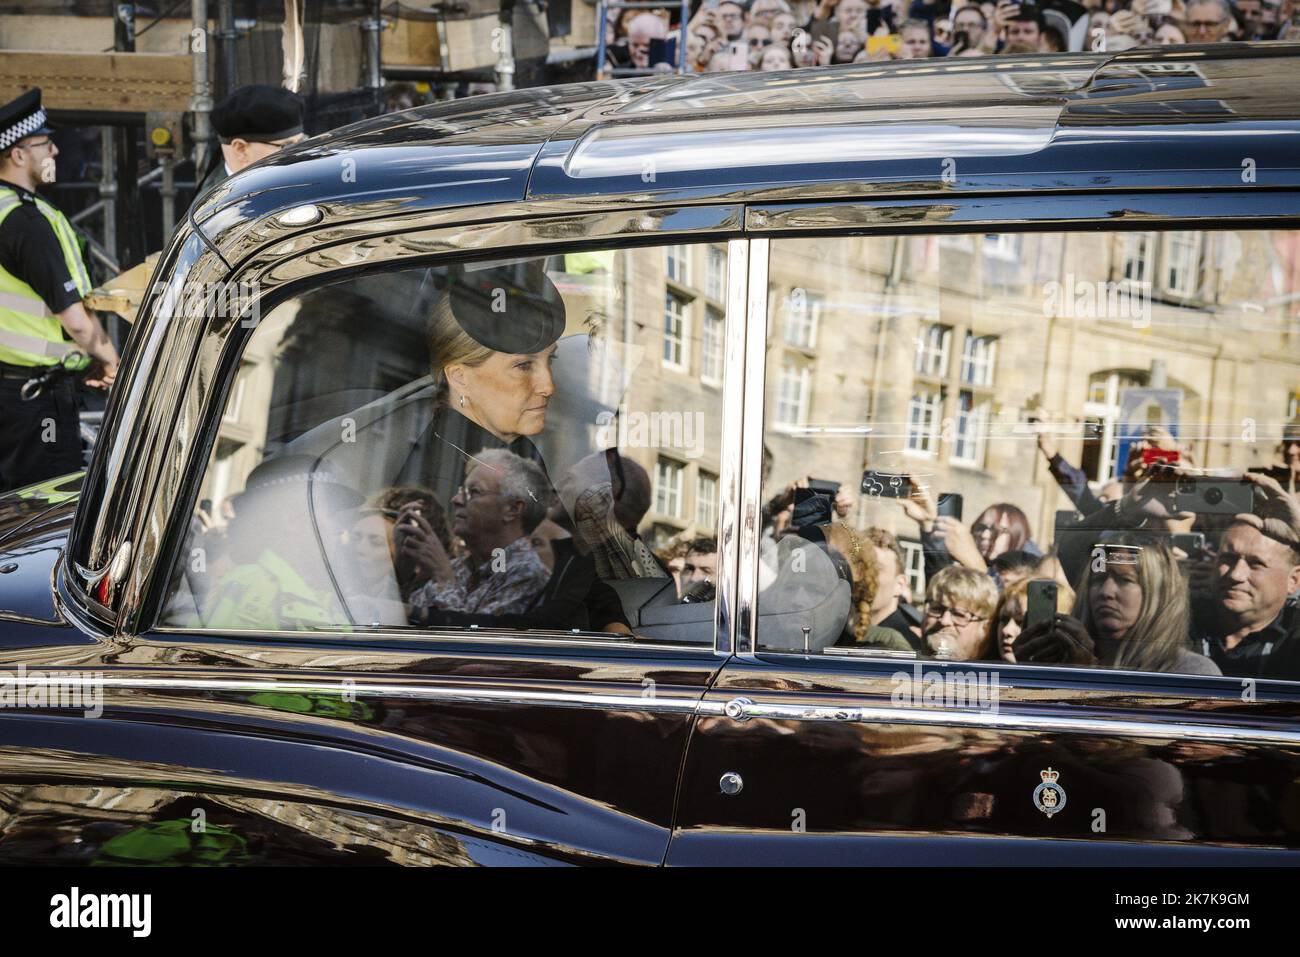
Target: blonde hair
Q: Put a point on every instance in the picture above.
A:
(975, 590)
(860, 554)
(450, 344)
(1161, 629)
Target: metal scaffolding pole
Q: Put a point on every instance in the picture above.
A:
(201, 102)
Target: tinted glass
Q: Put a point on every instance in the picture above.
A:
(969, 434)
(523, 444)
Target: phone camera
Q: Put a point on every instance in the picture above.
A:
(1213, 495)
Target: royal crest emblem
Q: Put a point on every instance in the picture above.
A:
(1049, 797)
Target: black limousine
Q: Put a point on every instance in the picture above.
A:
(888, 463)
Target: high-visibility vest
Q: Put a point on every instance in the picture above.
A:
(30, 335)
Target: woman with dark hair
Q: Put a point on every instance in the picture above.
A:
(1000, 528)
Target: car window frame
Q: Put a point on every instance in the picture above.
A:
(1104, 211)
(539, 236)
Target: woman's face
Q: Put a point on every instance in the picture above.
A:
(775, 58)
(507, 394)
(1291, 454)
(1115, 600)
(783, 27)
(992, 534)
(847, 47)
(1011, 622)
(916, 44)
(371, 541)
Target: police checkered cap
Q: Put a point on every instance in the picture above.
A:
(21, 118)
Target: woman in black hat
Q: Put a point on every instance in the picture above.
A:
(492, 338)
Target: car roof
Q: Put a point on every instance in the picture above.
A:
(1169, 117)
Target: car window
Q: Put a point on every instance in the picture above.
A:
(523, 443)
(1053, 448)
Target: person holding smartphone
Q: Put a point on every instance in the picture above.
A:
(1132, 612)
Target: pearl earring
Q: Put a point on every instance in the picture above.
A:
(462, 402)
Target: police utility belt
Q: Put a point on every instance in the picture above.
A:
(38, 378)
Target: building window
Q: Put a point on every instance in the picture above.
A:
(977, 358)
(1182, 273)
(711, 348)
(715, 274)
(1100, 460)
(706, 502)
(802, 312)
(972, 427)
(679, 265)
(676, 332)
(235, 406)
(932, 350)
(668, 487)
(914, 562)
(1003, 246)
(1136, 262)
(923, 414)
(793, 386)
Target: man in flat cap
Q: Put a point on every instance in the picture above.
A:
(252, 123)
(42, 282)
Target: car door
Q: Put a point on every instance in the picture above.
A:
(1019, 372)
(277, 681)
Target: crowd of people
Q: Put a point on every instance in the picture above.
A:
(1167, 569)
(782, 34)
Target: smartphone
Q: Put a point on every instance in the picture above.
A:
(824, 486)
(1207, 496)
(1040, 603)
(1158, 8)
(663, 51)
(886, 484)
(1067, 518)
(812, 507)
(892, 42)
(1191, 544)
(950, 504)
(825, 28)
(1161, 456)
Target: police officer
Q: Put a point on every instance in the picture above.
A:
(252, 123)
(42, 282)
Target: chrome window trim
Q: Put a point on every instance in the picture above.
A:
(271, 269)
(339, 639)
(743, 709)
(1026, 213)
(752, 424)
(733, 438)
(738, 710)
(687, 703)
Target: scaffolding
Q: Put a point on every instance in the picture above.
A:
(132, 97)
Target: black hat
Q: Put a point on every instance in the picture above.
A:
(258, 113)
(513, 308)
(21, 118)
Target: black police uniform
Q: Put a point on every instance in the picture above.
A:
(39, 436)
